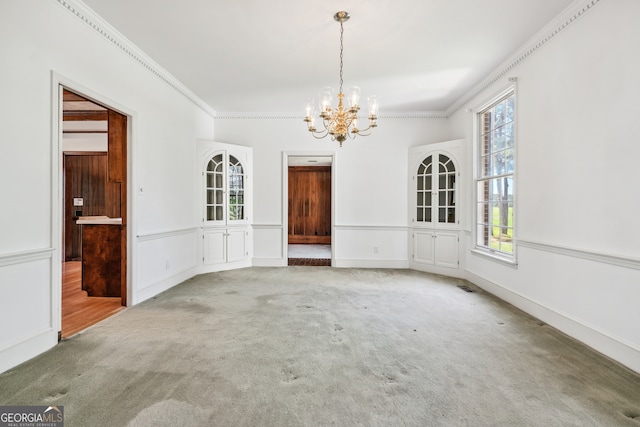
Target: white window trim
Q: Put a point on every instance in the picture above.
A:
(503, 258)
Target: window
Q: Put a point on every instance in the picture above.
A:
(495, 178)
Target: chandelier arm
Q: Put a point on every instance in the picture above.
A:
(322, 134)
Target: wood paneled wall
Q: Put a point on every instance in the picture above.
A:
(85, 176)
(310, 204)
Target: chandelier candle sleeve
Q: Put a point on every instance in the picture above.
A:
(340, 122)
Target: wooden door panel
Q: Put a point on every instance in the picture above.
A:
(309, 205)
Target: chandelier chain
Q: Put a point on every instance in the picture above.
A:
(341, 49)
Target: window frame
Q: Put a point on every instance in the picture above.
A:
(506, 258)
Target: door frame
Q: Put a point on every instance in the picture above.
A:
(285, 198)
(58, 82)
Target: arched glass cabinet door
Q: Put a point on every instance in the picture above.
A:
(436, 190)
(215, 189)
(425, 191)
(236, 190)
(446, 190)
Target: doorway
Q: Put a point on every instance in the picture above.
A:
(94, 206)
(309, 210)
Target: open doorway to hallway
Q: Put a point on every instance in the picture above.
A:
(94, 148)
(309, 210)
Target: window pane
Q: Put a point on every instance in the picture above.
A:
(441, 215)
(451, 215)
(427, 214)
(420, 183)
(509, 107)
(499, 114)
(420, 215)
(451, 184)
(420, 201)
(509, 136)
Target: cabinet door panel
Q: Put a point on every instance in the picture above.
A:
(215, 247)
(423, 247)
(446, 249)
(236, 245)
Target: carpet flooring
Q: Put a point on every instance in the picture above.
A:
(320, 346)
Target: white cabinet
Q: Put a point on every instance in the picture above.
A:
(434, 213)
(225, 174)
(436, 247)
(225, 245)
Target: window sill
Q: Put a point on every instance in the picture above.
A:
(504, 260)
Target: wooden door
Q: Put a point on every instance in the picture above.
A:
(117, 187)
(310, 204)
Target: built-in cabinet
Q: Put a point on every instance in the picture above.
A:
(226, 205)
(433, 206)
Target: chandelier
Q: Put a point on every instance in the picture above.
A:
(341, 123)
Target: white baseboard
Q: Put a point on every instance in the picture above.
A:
(14, 355)
(212, 268)
(625, 353)
(371, 263)
(164, 284)
(269, 262)
(444, 271)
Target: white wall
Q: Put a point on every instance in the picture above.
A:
(42, 43)
(577, 202)
(370, 185)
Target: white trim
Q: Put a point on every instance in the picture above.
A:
(57, 82)
(618, 349)
(164, 234)
(617, 260)
(371, 263)
(269, 262)
(15, 354)
(152, 289)
(509, 90)
(504, 260)
(372, 227)
(564, 20)
(266, 226)
(231, 115)
(285, 196)
(103, 28)
(25, 256)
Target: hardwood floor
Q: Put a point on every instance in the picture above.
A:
(80, 311)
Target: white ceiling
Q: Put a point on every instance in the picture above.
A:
(270, 56)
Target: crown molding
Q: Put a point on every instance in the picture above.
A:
(563, 21)
(84, 13)
(298, 116)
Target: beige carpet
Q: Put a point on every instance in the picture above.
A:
(320, 346)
